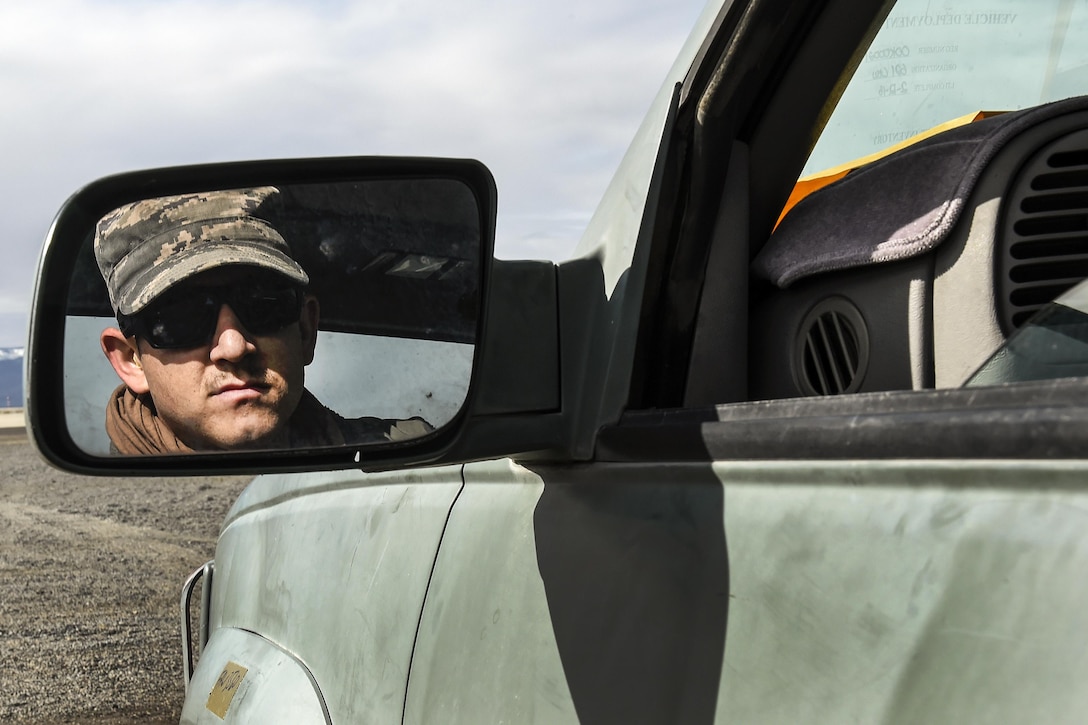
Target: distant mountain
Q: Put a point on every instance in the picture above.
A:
(11, 377)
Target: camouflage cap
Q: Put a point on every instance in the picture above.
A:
(146, 247)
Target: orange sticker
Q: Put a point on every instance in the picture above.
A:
(230, 679)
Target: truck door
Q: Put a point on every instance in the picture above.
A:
(786, 508)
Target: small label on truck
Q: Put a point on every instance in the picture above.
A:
(225, 687)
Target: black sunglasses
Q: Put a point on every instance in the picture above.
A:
(186, 318)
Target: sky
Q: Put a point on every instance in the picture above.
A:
(547, 94)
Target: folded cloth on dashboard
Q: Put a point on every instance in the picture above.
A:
(895, 208)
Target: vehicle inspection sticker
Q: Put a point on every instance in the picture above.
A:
(230, 679)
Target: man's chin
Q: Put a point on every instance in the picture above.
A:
(248, 436)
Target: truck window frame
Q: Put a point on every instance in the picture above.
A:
(717, 221)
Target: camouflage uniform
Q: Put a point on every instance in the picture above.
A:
(147, 247)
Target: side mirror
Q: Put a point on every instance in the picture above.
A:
(397, 253)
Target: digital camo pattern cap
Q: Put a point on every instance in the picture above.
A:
(146, 247)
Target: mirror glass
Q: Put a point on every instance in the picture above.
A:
(294, 316)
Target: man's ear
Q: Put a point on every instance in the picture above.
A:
(307, 325)
(125, 359)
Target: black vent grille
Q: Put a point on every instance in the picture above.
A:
(1046, 230)
(831, 353)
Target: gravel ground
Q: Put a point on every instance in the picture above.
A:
(90, 579)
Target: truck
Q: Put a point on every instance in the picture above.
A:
(797, 434)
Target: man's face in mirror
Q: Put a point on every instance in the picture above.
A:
(215, 382)
(215, 329)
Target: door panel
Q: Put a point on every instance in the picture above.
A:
(486, 651)
(588, 593)
(906, 592)
(856, 591)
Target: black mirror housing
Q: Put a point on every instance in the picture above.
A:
(65, 290)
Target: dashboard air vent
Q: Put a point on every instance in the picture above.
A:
(1045, 244)
(831, 351)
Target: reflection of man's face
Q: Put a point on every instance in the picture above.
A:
(237, 389)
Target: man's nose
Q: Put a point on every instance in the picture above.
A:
(231, 341)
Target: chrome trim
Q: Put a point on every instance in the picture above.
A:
(201, 573)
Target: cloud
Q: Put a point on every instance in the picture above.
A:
(546, 94)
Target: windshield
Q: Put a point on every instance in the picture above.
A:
(936, 60)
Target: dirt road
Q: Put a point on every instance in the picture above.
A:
(90, 577)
